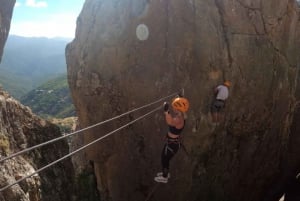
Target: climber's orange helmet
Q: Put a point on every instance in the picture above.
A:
(181, 104)
(227, 83)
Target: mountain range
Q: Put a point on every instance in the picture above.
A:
(33, 70)
(29, 62)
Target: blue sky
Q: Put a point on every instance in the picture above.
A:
(45, 18)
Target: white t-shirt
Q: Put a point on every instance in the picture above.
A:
(222, 92)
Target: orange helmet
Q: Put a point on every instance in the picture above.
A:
(227, 83)
(181, 104)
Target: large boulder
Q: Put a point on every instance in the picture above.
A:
(131, 52)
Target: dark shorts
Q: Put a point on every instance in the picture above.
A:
(217, 105)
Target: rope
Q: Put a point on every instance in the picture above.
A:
(79, 149)
(152, 192)
(84, 129)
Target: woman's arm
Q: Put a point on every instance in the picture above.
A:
(169, 118)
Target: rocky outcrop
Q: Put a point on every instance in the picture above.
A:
(6, 11)
(129, 52)
(19, 129)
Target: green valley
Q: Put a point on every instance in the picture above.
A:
(29, 62)
(51, 99)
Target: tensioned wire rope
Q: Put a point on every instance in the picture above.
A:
(84, 129)
(79, 149)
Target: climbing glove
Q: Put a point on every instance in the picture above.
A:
(179, 94)
(166, 106)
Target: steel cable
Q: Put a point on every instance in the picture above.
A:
(77, 150)
(84, 129)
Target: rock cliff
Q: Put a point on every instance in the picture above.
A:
(19, 129)
(127, 53)
(6, 11)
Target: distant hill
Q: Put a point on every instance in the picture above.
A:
(28, 62)
(51, 99)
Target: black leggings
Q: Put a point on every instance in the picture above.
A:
(169, 150)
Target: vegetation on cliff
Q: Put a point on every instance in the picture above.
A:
(51, 99)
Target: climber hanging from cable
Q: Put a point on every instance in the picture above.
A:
(175, 119)
(84, 146)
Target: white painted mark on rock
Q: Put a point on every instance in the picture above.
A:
(142, 32)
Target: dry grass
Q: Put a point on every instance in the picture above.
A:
(4, 143)
(66, 124)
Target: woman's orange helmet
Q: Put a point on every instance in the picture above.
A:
(181, 104)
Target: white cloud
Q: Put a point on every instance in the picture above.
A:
(17, 4)
(37, 4)
(58, 25)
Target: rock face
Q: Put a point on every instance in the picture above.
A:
(194, 45)
(19, 129)
(6, 11)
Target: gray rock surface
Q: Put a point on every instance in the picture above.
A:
(6, 10)
(193, 45)
(20, 129)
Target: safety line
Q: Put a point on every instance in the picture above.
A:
(79, 131)
(152, 192)
(79, 149)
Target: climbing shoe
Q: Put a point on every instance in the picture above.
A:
(160, 174)
(161, 179)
